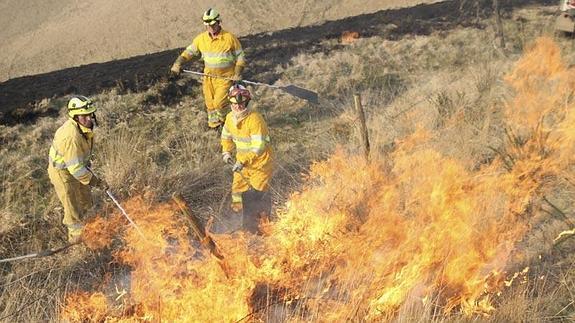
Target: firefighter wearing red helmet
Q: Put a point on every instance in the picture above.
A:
(246, 132)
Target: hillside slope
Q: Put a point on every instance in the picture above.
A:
(39, 36)
(454, 218)
(265, 52)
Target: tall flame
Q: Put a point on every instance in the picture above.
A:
(362, 241)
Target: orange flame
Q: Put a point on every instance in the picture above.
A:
(348, 37)
(92, 307)
(99, 232)
(361, 241)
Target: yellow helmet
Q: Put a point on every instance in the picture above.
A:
(79, 105)
(211, 17)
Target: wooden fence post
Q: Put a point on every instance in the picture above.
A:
(500, 35)
(364, 138)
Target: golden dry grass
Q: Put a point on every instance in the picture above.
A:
(449, 84)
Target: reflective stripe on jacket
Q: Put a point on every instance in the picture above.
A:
(220, 54)
(71, 150)
(250, 138)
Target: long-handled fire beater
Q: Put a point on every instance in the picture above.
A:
(291, 89)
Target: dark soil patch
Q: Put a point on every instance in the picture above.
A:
(19, 97)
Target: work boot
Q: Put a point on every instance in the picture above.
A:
(75, 233)
(237, 207)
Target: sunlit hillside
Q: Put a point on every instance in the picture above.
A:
(40, 36)
(463, 210)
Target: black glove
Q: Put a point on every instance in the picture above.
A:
(99, 183)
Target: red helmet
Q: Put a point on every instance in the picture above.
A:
(239, 94)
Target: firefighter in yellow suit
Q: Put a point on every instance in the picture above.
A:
(223, 56)
(247, 132)
(69, 161)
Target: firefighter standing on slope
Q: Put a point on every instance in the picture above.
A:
(247, 132)
(223, 56)
(69, 161)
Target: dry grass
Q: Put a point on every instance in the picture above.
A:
(448, 83)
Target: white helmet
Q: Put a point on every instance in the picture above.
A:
(211, 17)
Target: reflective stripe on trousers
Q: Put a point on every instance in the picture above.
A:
(215, 118)
(215, 96)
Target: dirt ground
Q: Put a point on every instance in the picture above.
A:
(39, 36)
(20, 98)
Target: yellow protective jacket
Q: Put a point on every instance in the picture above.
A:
(71, 150)
(251, 139)
(220, 54)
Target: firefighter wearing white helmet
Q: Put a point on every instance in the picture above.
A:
(223, 56)
(68, 166)
(246, 132)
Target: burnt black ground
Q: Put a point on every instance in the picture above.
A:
(19, 97)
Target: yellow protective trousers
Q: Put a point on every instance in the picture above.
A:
(75, 197)
(258, 178)
(216, 98)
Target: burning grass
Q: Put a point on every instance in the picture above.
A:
(361, 241)
(423, 232)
